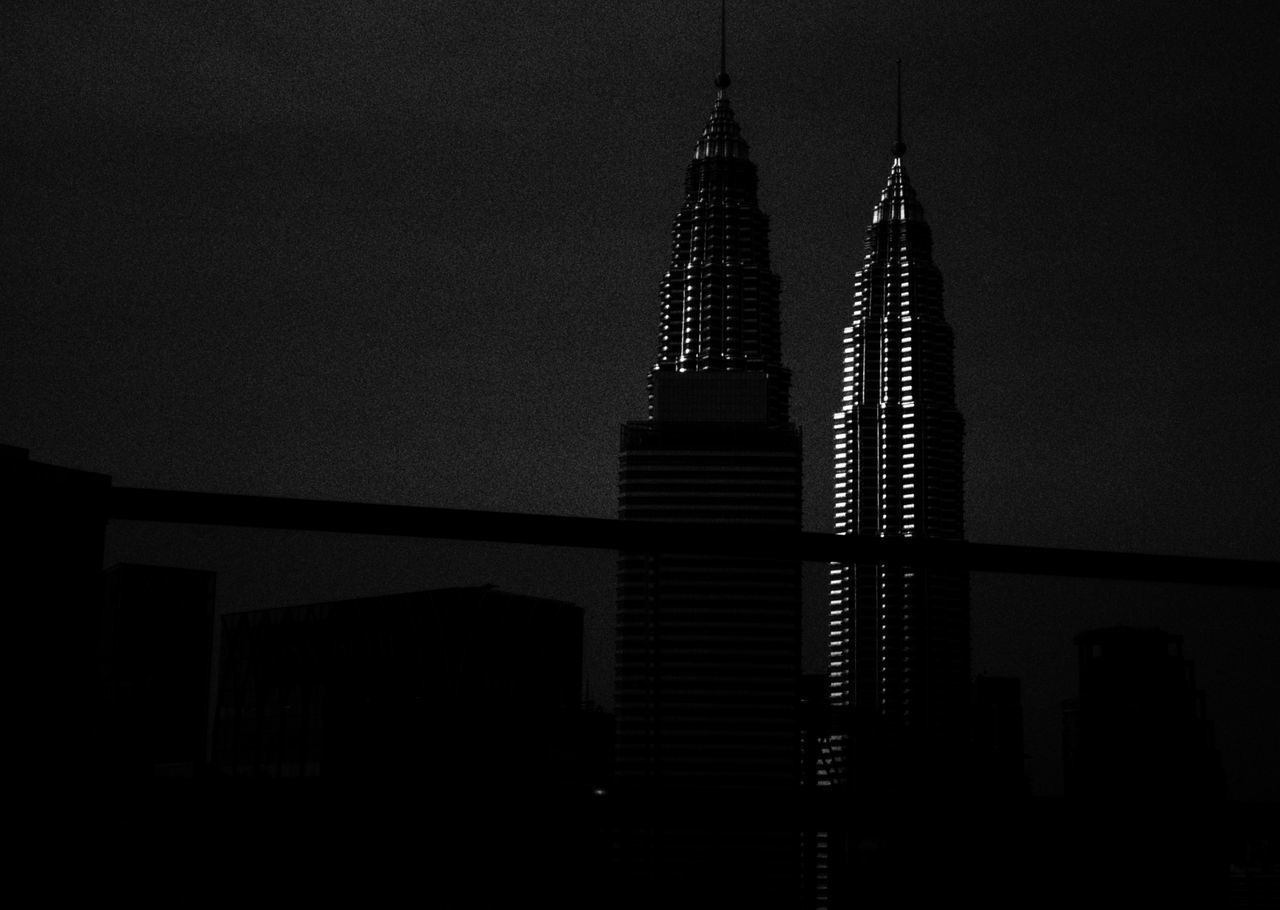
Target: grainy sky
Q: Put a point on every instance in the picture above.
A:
(410, 252)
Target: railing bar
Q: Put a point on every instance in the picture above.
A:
(185, 507)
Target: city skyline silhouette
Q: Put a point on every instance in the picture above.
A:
(411, 259)
(1024, 861)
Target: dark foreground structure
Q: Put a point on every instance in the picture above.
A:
(155, 667)
(266, 840)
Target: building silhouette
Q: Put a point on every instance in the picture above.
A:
(434, 691)
(52, 552)
(1142, 775)
(431, 739)
(999, 760)
(708, 646)
(155, 663)
(899, 634)
(1138, 730)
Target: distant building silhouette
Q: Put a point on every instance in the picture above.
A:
(899, 634)
(1141, 771)
(435, 737)
(155, 664)
(708, 646)
(1138, 730)
(55, 521)
(429, 691)
(999, 760)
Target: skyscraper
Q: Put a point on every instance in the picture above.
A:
(708, 646)
(1142, 776)
(899, 635)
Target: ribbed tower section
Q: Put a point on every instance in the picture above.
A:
(708, 646)
(899, 636)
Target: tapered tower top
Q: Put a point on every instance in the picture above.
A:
(720, 355)
(721, 137)
(898, 199)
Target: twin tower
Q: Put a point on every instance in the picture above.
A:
(708, 646)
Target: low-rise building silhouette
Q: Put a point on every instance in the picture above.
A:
(999, 760)
(1142, 777)
(55, 521)
(1138, 729)
(155, 669)
(431, 690)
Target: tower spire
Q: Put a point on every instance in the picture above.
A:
(899, 147)
(722, 79)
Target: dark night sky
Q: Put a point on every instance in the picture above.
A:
(409, 252)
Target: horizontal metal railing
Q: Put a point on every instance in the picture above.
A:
(183, 507)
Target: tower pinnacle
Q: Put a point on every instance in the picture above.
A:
(722, 78)
(899, 147)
